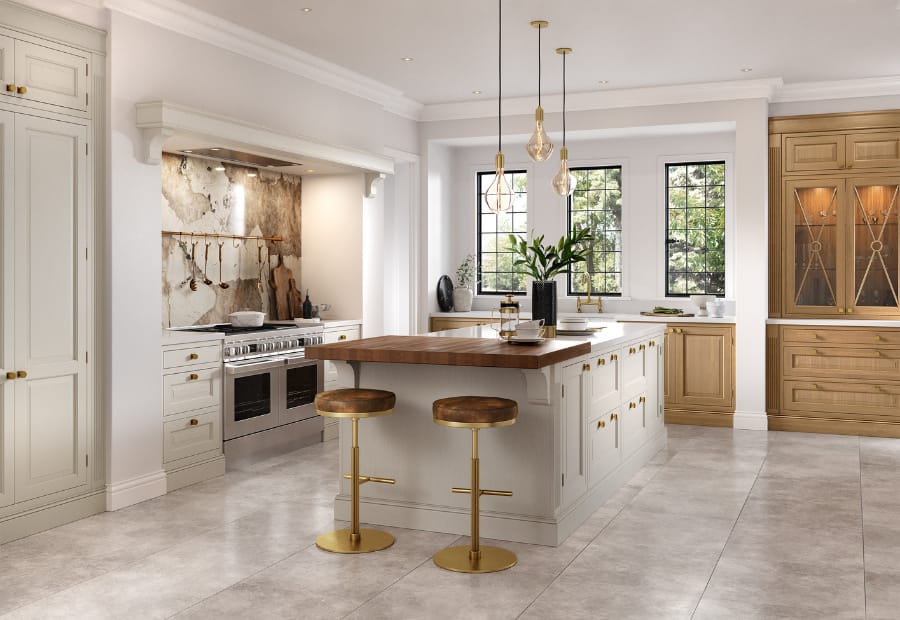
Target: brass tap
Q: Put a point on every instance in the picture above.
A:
(589, 302)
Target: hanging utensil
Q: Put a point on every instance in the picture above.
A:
(259, 282)
(193, 282)
(222, 283)
(206, 279)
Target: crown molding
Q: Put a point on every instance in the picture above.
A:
(188, 21)
(625, 98)
(838, 89)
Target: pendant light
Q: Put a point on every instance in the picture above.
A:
(564, 181)
(498, 197)
(539, 146)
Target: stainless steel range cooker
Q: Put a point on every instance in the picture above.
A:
(269, 387)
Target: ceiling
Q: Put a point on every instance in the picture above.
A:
(631, 44)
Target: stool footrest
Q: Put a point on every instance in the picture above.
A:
(483, 492)
(363, 479)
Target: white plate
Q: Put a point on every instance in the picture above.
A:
(524, 340)
(578, 332)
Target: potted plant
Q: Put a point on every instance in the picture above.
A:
(543, 263)
(465, 278)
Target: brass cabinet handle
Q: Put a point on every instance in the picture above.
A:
(614, 416)
(586, 367)
(10, 375)
(642, 347)
(194, 422)
(877, 353)
(671, 330)
(816, 336)
(601, 424)
(817, 352)
(642, 399)
(815, 386)
(193, 356)
(22, 90)
(679, 330)
(631, 405)
(849, 310)
(601, 362)
(344, 336)
(193, 377)
(652, 343)
(878, 388)
(878, 338)
(10, 88)
(21, 374)
(840, 311)
(632, 351)
(613, 358)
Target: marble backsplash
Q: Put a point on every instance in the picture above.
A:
(197, 198)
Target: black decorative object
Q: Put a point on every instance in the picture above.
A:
(307, 307)
(445, 293)
(543, 304)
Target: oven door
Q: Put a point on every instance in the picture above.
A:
(302, 380)
(251, 396)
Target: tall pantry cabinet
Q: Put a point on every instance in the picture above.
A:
(50, 430)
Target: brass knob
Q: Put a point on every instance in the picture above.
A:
(652, 343)
(642, 399)
(817, 352)
(631, 405)
(10, 88)
(193, 377)
(22, 90)
(815, 336)
(878, 388)
(849, 310)
(193, 356)
(632, 351)
(585, 367)
(194, 422)
(614, 416)
(815, 386)
(840, 311)
(344, 336)
(613, 358)
(601, 362)
(642, 347)
(877, 353)
(601, 424)
(671, 330)
(878, 338)
(10, 375)
(679, 330)
(21, 374)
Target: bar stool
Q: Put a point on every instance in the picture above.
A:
(475, 412)
(355, 404)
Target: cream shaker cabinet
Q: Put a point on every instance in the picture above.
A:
(330, 335)
(44, 73)
(44, 339)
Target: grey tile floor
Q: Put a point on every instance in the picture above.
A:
(721, 524)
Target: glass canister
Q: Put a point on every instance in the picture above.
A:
(509, 316)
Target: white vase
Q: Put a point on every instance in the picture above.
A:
(462, 299)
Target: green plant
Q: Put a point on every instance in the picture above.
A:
(544, 262)
(465, 273)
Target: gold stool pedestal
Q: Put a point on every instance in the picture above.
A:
(343, 541)
(487, 560)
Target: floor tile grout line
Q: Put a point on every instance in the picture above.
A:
(730, 534)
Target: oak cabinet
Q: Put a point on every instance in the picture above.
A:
(440, 323)
(699, 374)
(840, 152)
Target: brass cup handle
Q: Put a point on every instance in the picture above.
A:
(193, 377)
(10, 88)
(10, 375)
(601, 424)
(193, 356)
(22, 90)
(21, 374)
(194, 421)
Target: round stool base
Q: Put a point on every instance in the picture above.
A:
(369, 540)
(492, 559)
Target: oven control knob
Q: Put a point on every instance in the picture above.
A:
(245, 350)
(279, 346)
(229, 352)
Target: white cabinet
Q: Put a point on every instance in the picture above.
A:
(44, 313)
(192, 412)
(338, 333)
(576, 396)
(45, 73)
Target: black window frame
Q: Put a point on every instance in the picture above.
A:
(479, 211)
(569, 277)
(668, 240)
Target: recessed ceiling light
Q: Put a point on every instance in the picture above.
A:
(219, 168)
(188, 151)
(746, 69)
(602, 82)
(214, 148)
(311, 170)
(476, 92)
(407, 59)
(306, 9)
(251, 174)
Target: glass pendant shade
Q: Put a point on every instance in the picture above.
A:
(564, 181)
(539, 146)
(498, 197)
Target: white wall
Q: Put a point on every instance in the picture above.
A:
(148, 63)
(373, 263)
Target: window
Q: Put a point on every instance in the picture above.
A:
(695, 228)
(596, 203)
(495, 264)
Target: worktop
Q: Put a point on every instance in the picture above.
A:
(594, 318)
(176, 336)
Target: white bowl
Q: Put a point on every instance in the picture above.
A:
(572, 325)
(247, 318)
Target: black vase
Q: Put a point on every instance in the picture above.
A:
(543, 303)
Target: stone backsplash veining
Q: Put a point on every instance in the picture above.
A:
(200, 199)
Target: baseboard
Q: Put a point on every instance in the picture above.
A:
(331, 431)
(832, 426)
(136, 490)
(751, 421)
(698, 418)
(194, 473)
(40, 519)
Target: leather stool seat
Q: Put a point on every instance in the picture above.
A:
(355, 403)
(475, 411)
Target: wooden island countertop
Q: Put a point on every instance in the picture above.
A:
(455, 351)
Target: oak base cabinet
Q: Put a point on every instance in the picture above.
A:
(440, 323)
(699, 379)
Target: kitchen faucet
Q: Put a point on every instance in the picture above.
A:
(588, 302)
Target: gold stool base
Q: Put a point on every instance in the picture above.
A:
(369, 540)
(492, 559)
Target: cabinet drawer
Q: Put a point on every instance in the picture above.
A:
(827, 335)
(52, 76)
(196, 389)
(192, 356)
(841, 362)
(605, 384)
(633, 359)
(634, 423)
(873, 150)
(191, 435)
(604, 452)
(814, 153)
(846, 400)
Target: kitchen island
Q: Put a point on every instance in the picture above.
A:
(590, 416)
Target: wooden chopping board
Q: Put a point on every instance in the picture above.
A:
(281, 279)
(295, 300)
(666, 314)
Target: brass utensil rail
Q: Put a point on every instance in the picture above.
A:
(175, 233)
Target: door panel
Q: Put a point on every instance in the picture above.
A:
(873, 254)
(707, 367)
(605, 389)
(7, 253)
(814, 153)
(605, 446)
(52, 76)
(572, 421)
(873, 150)
(7, 65)
(50, 303)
